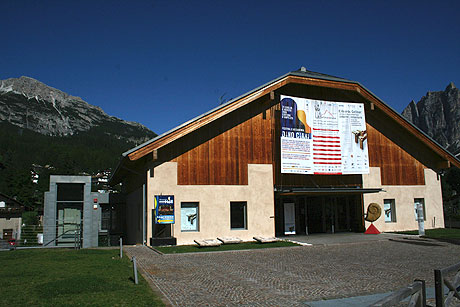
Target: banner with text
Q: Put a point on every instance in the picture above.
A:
(164, 209)
(323, 137)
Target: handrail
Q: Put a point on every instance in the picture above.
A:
(416, 291)
(65, 232)
(440, 281)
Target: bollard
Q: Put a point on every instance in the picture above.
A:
(121, 247)
(135, 270)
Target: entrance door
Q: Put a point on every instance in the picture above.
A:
(289, 218)
(68, 223)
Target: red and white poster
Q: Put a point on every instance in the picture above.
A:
(323, 137)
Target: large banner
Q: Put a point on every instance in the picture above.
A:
(323, 137)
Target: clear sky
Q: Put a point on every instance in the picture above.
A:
(162, 63)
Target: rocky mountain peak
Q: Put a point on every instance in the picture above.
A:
(438, 115)
(31, 104)
(451, 86)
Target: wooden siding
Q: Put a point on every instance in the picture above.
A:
(219, 153)
(224, 159)
(397, 167)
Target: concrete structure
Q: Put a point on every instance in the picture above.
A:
(223, 170)
(71, 210)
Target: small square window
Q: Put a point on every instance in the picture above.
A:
(389, 210)
(238, 215)
(189, 218)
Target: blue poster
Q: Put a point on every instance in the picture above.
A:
(164, 209)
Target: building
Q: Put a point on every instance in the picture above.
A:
(304, 153)
(10, 218)
(73, 213)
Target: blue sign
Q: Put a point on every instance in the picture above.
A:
(164, 209)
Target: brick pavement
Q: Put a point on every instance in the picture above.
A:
(291, 276)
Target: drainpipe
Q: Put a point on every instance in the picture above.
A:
(143, 214)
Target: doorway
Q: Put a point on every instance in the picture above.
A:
(69, 221)
(304, 214)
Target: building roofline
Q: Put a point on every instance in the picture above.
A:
(302, 72)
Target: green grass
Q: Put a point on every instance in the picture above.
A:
(226, 247)
(64, 277)
(439, 233)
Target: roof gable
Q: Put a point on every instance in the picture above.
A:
(270, 91)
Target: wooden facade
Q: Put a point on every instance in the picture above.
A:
(397, 167)
(223, 159)
(216, 148)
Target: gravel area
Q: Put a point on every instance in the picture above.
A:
(292, 276)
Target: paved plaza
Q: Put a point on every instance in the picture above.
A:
(293, 276)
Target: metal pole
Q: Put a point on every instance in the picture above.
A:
(135, 270)
(144, 215)
(75, 239)
(439, 288)
(121, 247)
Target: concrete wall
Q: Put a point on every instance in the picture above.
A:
(90, 214)
(214, 203)
(404, 201)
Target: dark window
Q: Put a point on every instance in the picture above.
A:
(70, 191)
(238, 215)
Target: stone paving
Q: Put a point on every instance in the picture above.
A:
(291, 276)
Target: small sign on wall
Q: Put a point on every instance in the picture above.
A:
(164, 209)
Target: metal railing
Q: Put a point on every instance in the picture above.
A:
(441, 281)
(34, 236)
(74, 234)
(416, 291)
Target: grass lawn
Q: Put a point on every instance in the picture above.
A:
(226, 247)
(439, 233)
(63, 277)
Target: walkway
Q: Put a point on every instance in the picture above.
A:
(292, 276)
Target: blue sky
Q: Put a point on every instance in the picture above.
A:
(162, 63)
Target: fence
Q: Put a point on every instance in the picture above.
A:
(416, 292)
(441, 281)
(61, 235)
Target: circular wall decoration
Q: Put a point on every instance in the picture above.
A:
(373, 212)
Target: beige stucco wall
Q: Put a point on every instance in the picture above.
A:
(13, 223)
(214, 203)
(404, 201)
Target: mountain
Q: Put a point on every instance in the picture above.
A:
(45, 131)
(31, 104)
(438, 115)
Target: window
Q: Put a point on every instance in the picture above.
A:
(69, 209)
(419, 201)
(189, 218)
(238, 215)
(389, 209)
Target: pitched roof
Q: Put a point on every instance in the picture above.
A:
(300, 76)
